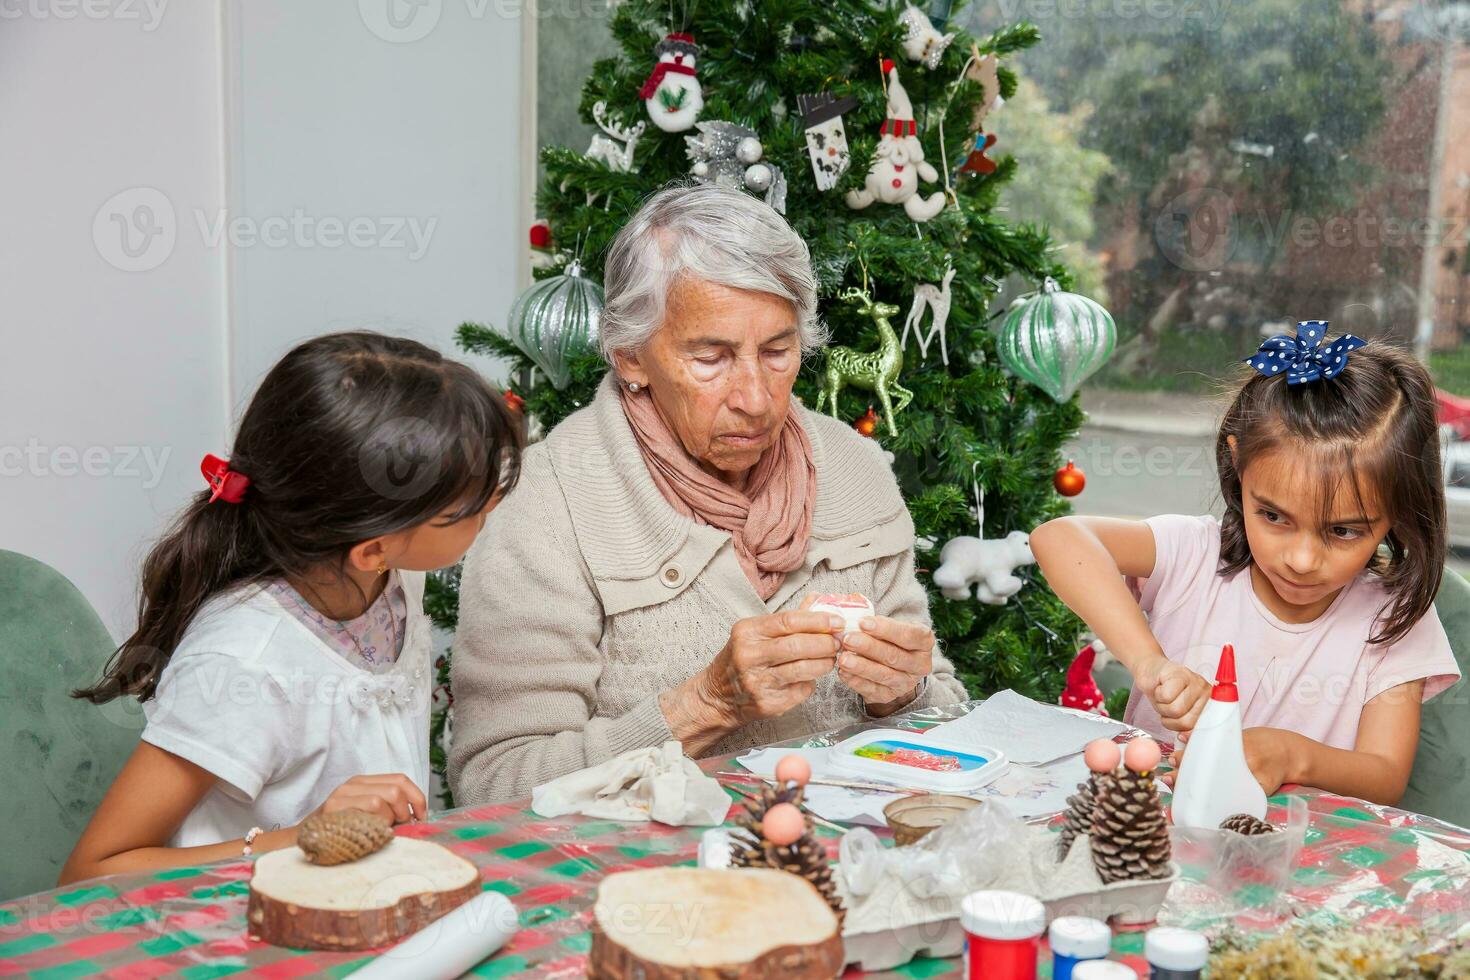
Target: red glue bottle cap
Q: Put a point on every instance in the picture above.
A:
(1225, 689)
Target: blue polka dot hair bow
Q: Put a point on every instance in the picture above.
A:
(1304, 359)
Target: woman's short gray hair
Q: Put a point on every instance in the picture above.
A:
(704, 233)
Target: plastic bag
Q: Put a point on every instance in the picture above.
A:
(952, 860)
(1234, 875)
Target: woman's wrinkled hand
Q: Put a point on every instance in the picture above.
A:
(886, 662)
(770, 665)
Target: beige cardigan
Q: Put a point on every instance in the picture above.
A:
(587, 595)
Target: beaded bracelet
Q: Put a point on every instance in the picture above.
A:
(250, 836)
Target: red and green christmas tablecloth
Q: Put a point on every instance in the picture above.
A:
(1360, 862)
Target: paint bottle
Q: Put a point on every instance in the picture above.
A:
(1175, 954)
(1214, 780)
(1002, 935)
(1103, 970)
(1075, 939)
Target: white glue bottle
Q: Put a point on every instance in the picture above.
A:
(1214, 781)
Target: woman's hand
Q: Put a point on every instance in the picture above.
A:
(1177, 693)
(886, 662)
(769, 666)
(1268, 752)
(392, 796)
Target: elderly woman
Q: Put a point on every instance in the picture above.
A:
(647, 578)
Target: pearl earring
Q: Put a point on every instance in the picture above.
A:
(634, 386)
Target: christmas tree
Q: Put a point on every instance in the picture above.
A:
(777, 80)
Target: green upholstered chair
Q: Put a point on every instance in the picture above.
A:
(60, 755)
(1440, 782)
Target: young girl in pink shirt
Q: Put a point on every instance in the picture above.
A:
(1322, 572)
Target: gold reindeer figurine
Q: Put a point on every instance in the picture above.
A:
(877, 371)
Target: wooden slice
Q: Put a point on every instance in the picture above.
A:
(373, 901)
(701, 924)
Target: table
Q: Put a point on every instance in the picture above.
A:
(1360, 862)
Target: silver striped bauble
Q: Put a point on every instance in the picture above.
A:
(556, 319)
(1056, 340)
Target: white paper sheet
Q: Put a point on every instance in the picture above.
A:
(1027, 792)
(1044, 739)
(1028, 732)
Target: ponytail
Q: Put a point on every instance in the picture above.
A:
(210, 548)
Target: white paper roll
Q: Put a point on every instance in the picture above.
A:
(450, 946)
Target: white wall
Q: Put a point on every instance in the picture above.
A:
(415, 140)
(119, 370)
(95, 360)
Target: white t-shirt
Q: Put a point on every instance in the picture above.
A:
(255, 697)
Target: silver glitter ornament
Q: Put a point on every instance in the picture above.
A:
(556, 319)
(731, 155)
(1056, 340)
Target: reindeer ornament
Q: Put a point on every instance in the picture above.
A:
(936, 299)
(615, 149)
(877, 372)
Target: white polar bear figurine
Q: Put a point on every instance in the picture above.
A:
(989, 565)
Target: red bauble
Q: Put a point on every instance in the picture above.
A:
(514, 402)
(1069, 480)
(541, 235)
(868, 424)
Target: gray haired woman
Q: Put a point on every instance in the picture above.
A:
(649, 577)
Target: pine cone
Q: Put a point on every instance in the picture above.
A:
(807, 857)
(342, 836)
(1078, 818)
(1130, 836)
(1244, 823)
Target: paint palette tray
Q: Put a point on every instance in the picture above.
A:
(909, 759)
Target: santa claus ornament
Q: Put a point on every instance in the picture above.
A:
(898, 161)
(1082, 691)
(672, 94)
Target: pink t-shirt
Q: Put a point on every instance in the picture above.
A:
(1310, 678)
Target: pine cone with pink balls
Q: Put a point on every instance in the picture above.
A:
(806, 857)
(1130, 833)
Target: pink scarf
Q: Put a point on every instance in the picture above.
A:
(770, 523)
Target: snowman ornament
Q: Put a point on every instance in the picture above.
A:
(898, 161)
(672, 94)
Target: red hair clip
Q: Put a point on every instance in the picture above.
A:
(227, 485)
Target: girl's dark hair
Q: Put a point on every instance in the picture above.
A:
(1373, 425)
(351, 436)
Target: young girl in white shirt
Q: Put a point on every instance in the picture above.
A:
(282, 652)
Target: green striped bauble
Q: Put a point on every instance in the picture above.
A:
(1056, 340)
(556, 319)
